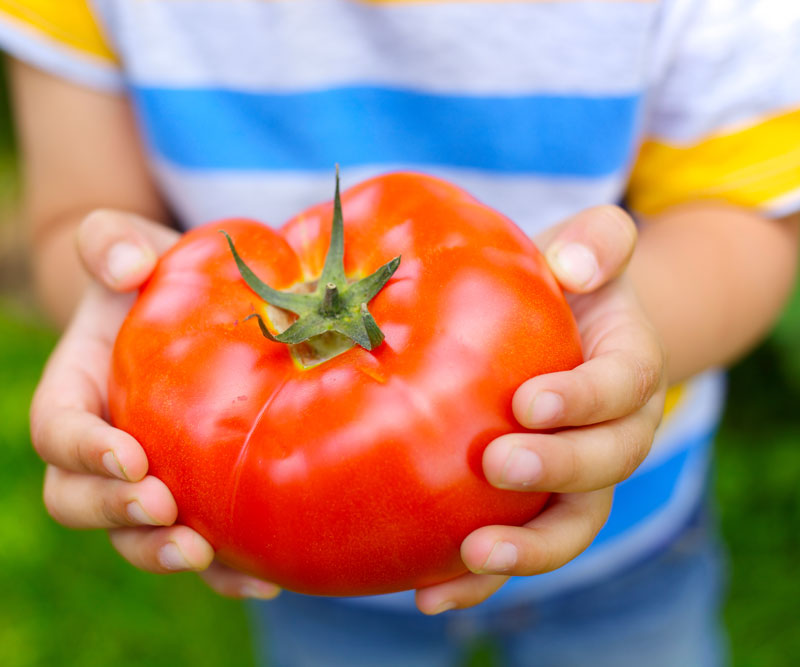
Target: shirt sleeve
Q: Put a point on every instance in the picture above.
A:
(61, 37)
(722, 120)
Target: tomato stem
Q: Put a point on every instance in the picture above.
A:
(335, 306)
(330, 301)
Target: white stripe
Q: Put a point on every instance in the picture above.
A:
(783, 205)
(37, 49)
(724, 65)
(533, 203)
(588, 47)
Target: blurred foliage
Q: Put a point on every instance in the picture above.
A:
(67, 598)
(6, 132)
(758, 489)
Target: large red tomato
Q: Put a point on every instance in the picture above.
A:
(360, 473)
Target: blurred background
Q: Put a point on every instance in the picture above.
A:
(67, 599)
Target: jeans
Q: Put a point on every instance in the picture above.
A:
(663, 612)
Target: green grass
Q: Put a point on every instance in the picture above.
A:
(758, 487)
(68, 599)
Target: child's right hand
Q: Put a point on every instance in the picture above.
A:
(96, 475)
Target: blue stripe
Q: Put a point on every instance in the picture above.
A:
(639, 497)
(551, 135)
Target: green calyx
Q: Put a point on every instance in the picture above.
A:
(335, 306)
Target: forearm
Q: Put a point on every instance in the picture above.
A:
(59, 276)
(85, 157)
(713, 279)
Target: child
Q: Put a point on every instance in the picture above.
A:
(132, 111)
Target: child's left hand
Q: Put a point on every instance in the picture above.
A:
(607, 408)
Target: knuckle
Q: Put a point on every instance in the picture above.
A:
(572, 467)
(85, 446)
(549, 560)
(109, 512)
(136, 545)
(610, 214)
(120, 538)
(77, 456)
(646, 377)
(592, 396)
(221, 586)
(95, 234)
(634, 447)
(82, 455)
(537, 558)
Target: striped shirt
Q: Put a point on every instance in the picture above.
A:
(538, 108)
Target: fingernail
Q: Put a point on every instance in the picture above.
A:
(137, 513)
(502, 558)
(114, 467)
(574, 264)
(447, 605)
(171, 558)
(125, 259)
(259, 590)
(546, 407)
(522, 468)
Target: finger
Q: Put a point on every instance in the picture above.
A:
(234, 584)
(564, 530)
(573, 460)
(459, 593)
(121, 249)
(163, 550)
(82, 442)
(623, 376)
(591, 248)
(67, 428)
(87, 501)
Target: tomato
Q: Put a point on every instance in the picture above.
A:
(360, 473)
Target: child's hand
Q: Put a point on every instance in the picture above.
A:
(607, 409)
(96, 474)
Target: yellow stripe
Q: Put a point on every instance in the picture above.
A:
(674, 395)
(69, 22)
(750, 167)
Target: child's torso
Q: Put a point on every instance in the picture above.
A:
(534, 107)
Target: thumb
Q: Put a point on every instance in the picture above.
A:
(121, 249)
(591, 248)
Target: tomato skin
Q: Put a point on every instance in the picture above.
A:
(361, 475)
